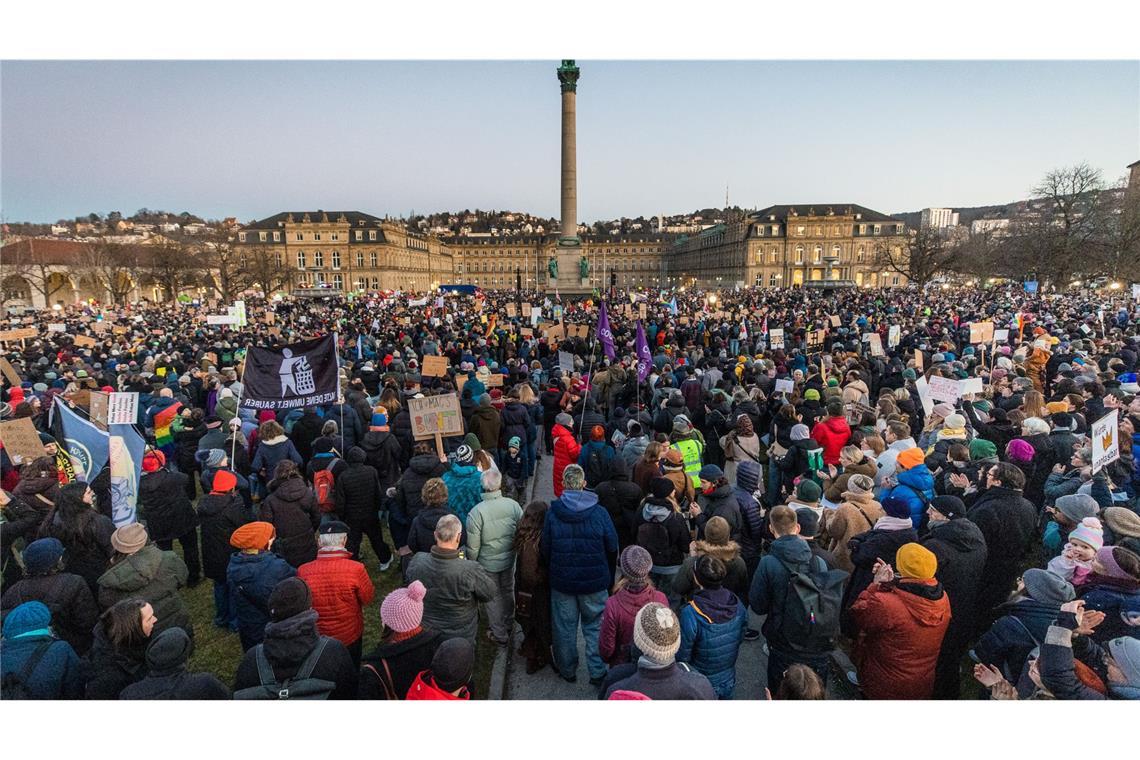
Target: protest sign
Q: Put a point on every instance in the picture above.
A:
(295, 376)
(495, 380)
(943, 389)
(1001, 336)
(435, 366)
(642, 310)
(21, 439)
(917, 360)
(98, 406)
(122, 408)
(970, 385)
(776, 337)
(526, 332)
(85, 341)
(923, 389)
(536, 315)
(565, 361)
(10, 373)
(1105, 434)
(981, 332)
(876, 345)
(579, 331)
(511, 312)
(834, 320)
(57, 327)
(22, 333)
(894, 336)
(435, 415)
(221, 319)
(785, 386)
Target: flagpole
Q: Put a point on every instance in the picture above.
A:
(237, 415)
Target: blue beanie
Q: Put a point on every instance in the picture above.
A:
(748, 475)
(895, 507)
(29, 616)
(42, 555)
(379, 419)
(711, 473)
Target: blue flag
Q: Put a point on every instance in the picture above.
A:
(86, 444)
(126, 454)
(605, 333)
(644, 357)
(673, 305)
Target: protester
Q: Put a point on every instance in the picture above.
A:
(140, 569)
(251, 575)
(406, 648)
(455, 585)
(491, 528)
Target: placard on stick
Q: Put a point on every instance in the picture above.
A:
(435, 366)
(21, 439)
(918, 360)
(435, 415)
(85, 341)
(495, 380)
(981, 332)
(1105, 434)
(21, 333)
(122, 408)
(10, 373)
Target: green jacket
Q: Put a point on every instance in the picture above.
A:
(455, 587)
(491, 532)
(153, 575)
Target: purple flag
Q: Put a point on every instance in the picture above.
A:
(644, 358)
(605, 333)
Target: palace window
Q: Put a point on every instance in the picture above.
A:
(334, 236)
(359, 258)
(859, 255)
(799, 254)
(241, 237)
(277, 236)
(262, 236)
(361, 283)
(360, 234)
(772, 280)
(817, 254)
(336, 259)
(375, 283)
(878, 229)
(371, 234)
(277, 259)
(372, 259)
(316, 236)
(800, 230)
(300, 259)
(318, 259)
(338, 281)
(300, 236)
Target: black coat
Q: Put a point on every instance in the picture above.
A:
(383, 452)
(1008, 523)
(107, 671)
(220, 515)
(358, 492)
(292, 508)
(621, 498)
(305, 431)
(408, 501)
(186, 446)
(404, 659)
(72, 605)
(720, 503)
(865, 548)
(163, 505)
(287, 644)
(87, 558)
(515, 420)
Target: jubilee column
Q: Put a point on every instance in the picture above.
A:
(568, 78)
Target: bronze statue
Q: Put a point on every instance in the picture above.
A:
(552, 267)
(583, 267)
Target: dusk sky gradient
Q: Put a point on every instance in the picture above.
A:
(249, 139)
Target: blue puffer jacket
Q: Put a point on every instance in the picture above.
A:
(1115, 603)
(57, 676)
(917, 479)
(464, 489)
(1014, 635)
(251, 579)
(579, 544)
(712, 627)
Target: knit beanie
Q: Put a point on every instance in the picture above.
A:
(710, 571)
(636, 562)
(657, 633)
(896, 507)
(472, 440)
(168, 650)
(253, 535)
(1047, 587)
(464, 454)
(710, 473)
(379, 419)
(980, 448)
(661, 488)
(1019, 451)
(681, 425)
(1077, 506)
(916, 561)
(1125, 653)
(808, 491)
(1122, 521)
(153, 461)
(799, 432)
(42, 555)
(453, 664)
(808, 521)
(1107, 557)
(1090, 532)
(860, 484)
(403, 609)
(950, 507)
(289, 597)
(943, 410)
(748, 475)
(565, 420)
(910, 458)
(955, 422)
(224, 482)
(215, 458)
(129, 538)
(717, 531)
(514, 443)
(811, 394)
(909, 374)
(35, 616)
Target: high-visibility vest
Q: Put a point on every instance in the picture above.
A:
(691, 450)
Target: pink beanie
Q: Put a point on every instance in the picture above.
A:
(403, 609)
(1090, 532)
(1019, 451)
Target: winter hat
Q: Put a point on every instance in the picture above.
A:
(800, 432)
(1090, 532)
(253, 535)
(289, 597)
(657, 633)
(225, 393)
(1107, 557)
(636, 562)
(748, 475)
(983, 405)
(955, 421)
(29, 617)
(215, 458)
(916, 561)
(811, 394)
(403, 609)
(710, 571)
(895, 507)
(168, 651)
(717, 531)
(910, 458)
(937, 358)
(943, 410)
(661, 488)
(808, 521)
(597, 433)
(682, 425)
(224, 482)
(333, 528)
(129, 538)
(980, 448)
(710, 473)
(379, 419)
(1057, 407)
(565, 420)
(1019, 451)
(453, 664)
(514, 443)
(472, 440)
(626, 695)
(1122, 521)
(16, 396)
(860, 484)
(1047, 587)
(153, 461)
(1077, 506)
(42, 555)
(808, 491)
(464, 454)
(1125, 653)
(950, 507)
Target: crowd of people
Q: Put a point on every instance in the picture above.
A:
(717, 459)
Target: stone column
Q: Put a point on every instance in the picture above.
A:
(568, 77)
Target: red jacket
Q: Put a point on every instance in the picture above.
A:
(424, 688)
(341, 588)
(900, 633)
(832, 434)
(617, 622)
(566, 450)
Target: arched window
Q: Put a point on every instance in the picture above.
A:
(300, 259)
(817, 254)
(799, 254)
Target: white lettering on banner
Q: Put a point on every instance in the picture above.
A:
(943, 389)
(1105, 434)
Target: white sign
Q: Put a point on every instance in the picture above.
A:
(943, 389)
(923, 389)
(565, 361)
(1001, 336)
(122, 408)
(221, 319)
(776, 337)
(535, 315)
(1105, 440)
(894, 336)
(876, 344)
(1136, 291)
(57, 327)
(970, 385)
(785, 386)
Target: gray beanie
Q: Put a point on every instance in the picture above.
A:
(215, 458)
(565, 420)
(1077, 506)
(1047, 587)
(657, 633)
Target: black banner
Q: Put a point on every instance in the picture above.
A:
(303, 374)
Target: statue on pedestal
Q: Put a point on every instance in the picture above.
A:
(583, 267)
(552, 267)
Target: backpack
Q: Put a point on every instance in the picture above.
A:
(300, 686)
(596, 469)
(654, 538)
(15, 684)
(324, 484)
(814, 462)
(810, 620)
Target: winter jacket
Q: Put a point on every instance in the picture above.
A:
(663, 532)
(566, 450)
(455, 587)
(155, 576)
(424, 688)
(408, 500)
(853, 516)
(164, 506)
(712, 629)
(287, 645)
(272, 452)
(403, 660)
(579, 544)
(486, 424)
(720, 503)
(1117, 599)
(960, 549)
(515, 420)
(832, 434)
(621, 498)
(383, 453)
(56, 676)
(292, 508)
(913, 485)
(1056, 665)
(464, 489)
(901, 628)
(341, 589)
(835, 489)
(1008, 523)
(673, 681)
(769, 591)
(220, 514)
(633, 450)
(186, 443)
(421, 535)
(72, 605)
(865, 549)
(1019, 629)
(491, 531)
(251, 578)
(358, 493)
(595, 458)
(616, 634)
(804, 458)
(735, 580)
(305, 431)
(167, 676)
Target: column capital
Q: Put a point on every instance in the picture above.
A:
(568, 75)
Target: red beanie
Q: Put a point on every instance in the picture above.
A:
(153, 460)
(224, 482)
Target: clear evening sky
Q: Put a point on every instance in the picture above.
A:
(249, 139)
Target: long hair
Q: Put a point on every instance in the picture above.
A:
(530, 524)
(122, 624)
(75, 517)
(1033, 404)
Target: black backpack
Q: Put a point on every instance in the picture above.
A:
(810, 620)
(654, 538)
(15, 684)
(596, 469)
(300, 686)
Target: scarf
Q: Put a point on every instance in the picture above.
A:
(893, 523)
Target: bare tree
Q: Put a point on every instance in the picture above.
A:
(112, 267)
(919, 258)
(1121, 257)
(24, 262)
(174, 266)
(225, 270)
(266, 268)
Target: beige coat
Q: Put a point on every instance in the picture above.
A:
(857, 514)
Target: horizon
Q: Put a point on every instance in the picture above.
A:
(148, 135)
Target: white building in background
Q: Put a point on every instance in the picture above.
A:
(938, 218)
(979, 226)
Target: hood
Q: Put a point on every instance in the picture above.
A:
(716, 605)
(293, 489)
(426, 465)
(355, 455)
(726, 553)
(630, 602)
(289, 641)
(485, 412)
(924, 602)
(1036, 615)
(858, 385)
(374, 439)
(961, 535)
(619, 469)
(134, 572)
(560, 431)
(427, 518)
(837, 425)
(168, 652)
(574, 506)
(654, 512)
(791, 550)
(276, 440)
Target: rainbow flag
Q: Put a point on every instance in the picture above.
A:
(162, 421)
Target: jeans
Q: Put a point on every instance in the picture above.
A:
(501, 609)
(566, 610)
(225, 615)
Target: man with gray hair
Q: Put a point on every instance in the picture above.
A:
(579, 546)
(340, 586)
(455, 585)
(490, 542)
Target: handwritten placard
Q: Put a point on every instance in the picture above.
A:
(122, 408)
(21, 439)
(9, 372)
(435, 366)
(435, 414)
(23, 333)
(943, 389)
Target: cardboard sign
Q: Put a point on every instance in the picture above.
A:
(918, 360)
(270, 318)
(785, 386)
(511, 310)
(1001, 336)
(10, 373)
(21, 439)
(642, 310)
(435, 414)
(120, 330)
(98, 405)
(122, 408)
(834, 321)
(526, 332)
(99, 326)
(495, 380)
(1105, 434)
(816, 337)
(23, 333)
(684, 320)
(435, 366)
(526, 308)
(565, 361)
(943, 389)
(221, 319)
(554, 331)
(579, 331)
(776, 337)
(894, 336)
(460, 381)
(970, 385)
(876, 345)
(923, 389)
(85, 341)
(981, 332)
